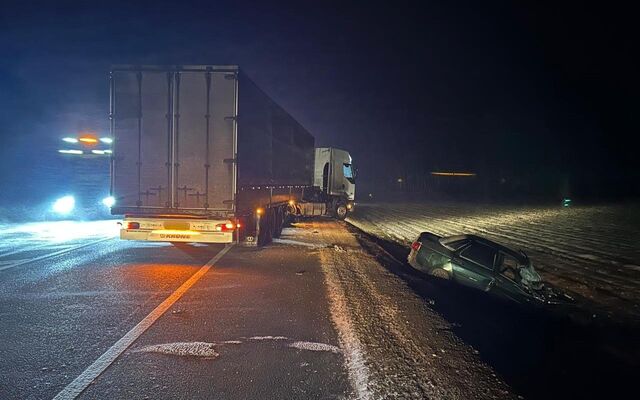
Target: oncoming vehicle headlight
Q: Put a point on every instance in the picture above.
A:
(64, 205)
(109, 201)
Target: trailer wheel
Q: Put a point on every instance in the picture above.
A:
(266, 228)
(271, 225)
(279, 220)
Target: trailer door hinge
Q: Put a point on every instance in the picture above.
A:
(229, 160)
(231, 118)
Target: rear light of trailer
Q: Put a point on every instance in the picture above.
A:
(228, 227)
(133, 225)
(416, 245)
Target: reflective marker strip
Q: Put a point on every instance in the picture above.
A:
(105, 360)
(57, 253)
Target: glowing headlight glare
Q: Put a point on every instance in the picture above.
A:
(106, 140)
(109, 201)
(70, 140)
(64, 205)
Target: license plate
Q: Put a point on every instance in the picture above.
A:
(177, 226)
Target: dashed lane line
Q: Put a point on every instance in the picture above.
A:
(79, 384)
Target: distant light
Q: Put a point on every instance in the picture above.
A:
(109, 201)
(107, 152)
(97, 151)
(106, 140)
(70, 140)
(566, 202)
(88, 139)
(453, 173)
(399, 180)
(71, 151)
(64, 205)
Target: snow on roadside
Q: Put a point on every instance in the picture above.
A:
(581, 249)
(392, 343)
(349, 342)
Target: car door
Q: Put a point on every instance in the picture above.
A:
(507, 277)
(473, 266)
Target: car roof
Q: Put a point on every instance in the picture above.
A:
(488, 242)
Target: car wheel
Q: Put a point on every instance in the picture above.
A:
(440, 273)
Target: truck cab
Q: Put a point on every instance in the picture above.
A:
(334, 176)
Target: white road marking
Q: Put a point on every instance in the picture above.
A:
(55, 253)
(105, 360)
(23, 249)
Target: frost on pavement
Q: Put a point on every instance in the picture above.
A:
(587, 250)
(393, 345)
(314, 346)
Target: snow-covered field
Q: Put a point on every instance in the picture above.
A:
(593, 251)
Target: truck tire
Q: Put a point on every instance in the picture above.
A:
(277, 228)
(266, 228)
(340, 210)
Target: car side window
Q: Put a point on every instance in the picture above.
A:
(480, 254)
(458, 244)
(507, 266)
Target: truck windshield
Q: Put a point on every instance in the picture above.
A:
(348, 172)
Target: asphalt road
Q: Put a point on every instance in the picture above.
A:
(262, 310)
(323, 312)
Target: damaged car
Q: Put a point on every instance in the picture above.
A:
(478, 263)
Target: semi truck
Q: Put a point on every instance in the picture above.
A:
(202, 154)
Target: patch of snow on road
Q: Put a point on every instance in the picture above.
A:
(185, 349)
(295, 243)
(268, 338)
(314, 346)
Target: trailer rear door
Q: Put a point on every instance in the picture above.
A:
(174, 136)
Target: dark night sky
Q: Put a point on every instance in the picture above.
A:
(502, 88)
